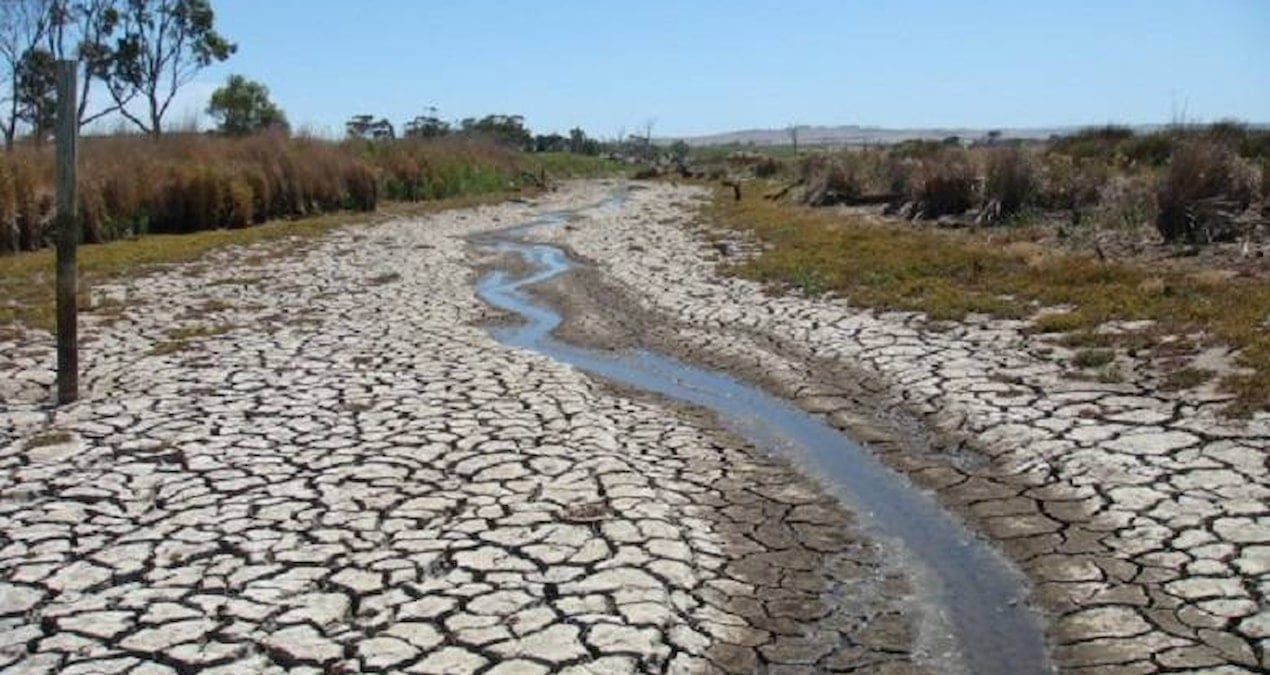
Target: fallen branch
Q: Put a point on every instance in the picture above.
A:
(785, 190)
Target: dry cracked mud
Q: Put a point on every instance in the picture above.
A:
(330, 466)
(1142, 518)
(321, 462)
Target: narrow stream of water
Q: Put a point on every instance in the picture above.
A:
(979, 595)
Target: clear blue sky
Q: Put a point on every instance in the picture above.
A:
(700, 66)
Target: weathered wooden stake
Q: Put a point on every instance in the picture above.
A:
(67, 234)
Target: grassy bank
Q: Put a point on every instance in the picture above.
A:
(947, 274)
(145, 202)
(27, 282)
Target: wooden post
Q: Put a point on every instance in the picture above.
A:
(67, 234)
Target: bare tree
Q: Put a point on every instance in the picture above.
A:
(162, 46)
(793, 137)
(24, 25)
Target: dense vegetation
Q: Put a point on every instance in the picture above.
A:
(132, 185)
(1195, 185)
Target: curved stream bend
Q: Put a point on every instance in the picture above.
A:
(979, 594)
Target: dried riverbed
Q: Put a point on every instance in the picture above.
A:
(319, 460)
(1141, 517)
(969, 594)
(333, 466)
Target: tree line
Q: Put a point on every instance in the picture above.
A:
(133, 55)
(507, 129)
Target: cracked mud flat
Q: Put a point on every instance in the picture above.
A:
(968, 592)
(347, 473)
(1142, 518)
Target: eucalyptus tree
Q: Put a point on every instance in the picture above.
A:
(242, 107)
(139, 50)
(161, 46)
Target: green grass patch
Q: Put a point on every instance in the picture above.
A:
(48, 438)
(1186, 378)
(192, 332)
(561, 165)
(1132, 341)
(169, 347)
(236, 281)
(1093, 358)
(948, 274)
(178, 339)
(1057, 322)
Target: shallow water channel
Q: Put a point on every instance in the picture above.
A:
(977, 595)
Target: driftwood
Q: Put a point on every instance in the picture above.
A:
(825, 196)
(780, 194)
(1219, 219)
(874, 199)
(536, 180)
(990, 213)
(736, 188)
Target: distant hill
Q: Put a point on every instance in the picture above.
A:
(858, 135)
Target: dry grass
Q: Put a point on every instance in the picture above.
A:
(1195, 184)
(949, 274)
(1010, 180)
(1186, 378)
(132, 185)
(183, 183)
(944, 183)
(845, 176)
(1205, 184)
(832, 180)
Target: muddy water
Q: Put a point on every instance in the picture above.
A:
(974, 592)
